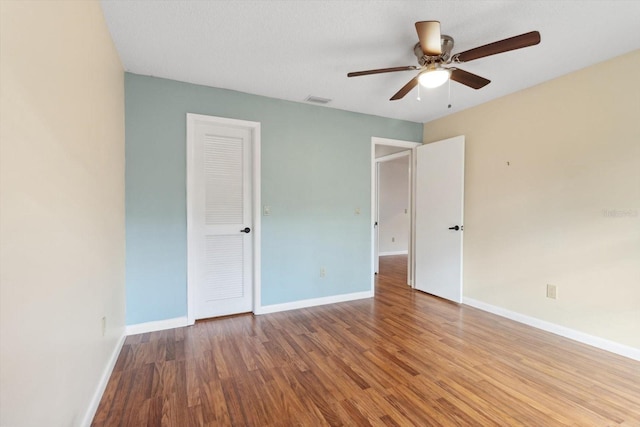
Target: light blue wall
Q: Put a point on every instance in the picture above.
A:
(315, 173)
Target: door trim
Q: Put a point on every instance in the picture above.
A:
(410, 145)
(254, 127)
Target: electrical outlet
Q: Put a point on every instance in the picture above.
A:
(323, 271)
(104, 325)
(552, 291)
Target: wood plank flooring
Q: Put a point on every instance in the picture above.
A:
(402, 358)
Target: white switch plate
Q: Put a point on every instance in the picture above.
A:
(357, 211)
(266, 210)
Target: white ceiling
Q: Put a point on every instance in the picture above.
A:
(295, 48)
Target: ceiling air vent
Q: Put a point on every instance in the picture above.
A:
(317, 100)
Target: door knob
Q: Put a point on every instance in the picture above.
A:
(455, 228)
(246, 230)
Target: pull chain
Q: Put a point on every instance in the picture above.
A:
(449, 106)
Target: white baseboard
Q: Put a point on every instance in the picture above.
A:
(158, 325)
(393, 253)
(274, 308)
(601, 343)
(102, 384)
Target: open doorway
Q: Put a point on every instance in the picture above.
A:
(393, 227)
(391, 201)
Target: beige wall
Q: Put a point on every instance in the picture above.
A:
(544, 169)
(62, 209)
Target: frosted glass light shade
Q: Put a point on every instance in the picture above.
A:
(434, 78)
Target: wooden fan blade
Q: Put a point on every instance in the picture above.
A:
(405, 89)
(468, 79)
(512, 43)
(429, 35)
(381, 70)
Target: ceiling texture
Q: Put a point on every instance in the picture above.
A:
(296, 48)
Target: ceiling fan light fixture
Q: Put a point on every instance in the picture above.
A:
(434, 77)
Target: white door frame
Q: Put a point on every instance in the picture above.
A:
(410, 145)
(254, 127)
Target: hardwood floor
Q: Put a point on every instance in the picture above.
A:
(402, 358)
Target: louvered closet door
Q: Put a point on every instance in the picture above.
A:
(221, 209)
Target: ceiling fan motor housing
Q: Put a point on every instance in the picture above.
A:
(447, 46)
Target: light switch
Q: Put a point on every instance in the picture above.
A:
(357, 212)
(266, 210)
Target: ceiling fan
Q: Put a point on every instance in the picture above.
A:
(437, 64)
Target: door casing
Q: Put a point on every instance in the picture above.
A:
(410, 145)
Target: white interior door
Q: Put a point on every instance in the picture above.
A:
(439, 207)
(219, 216)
